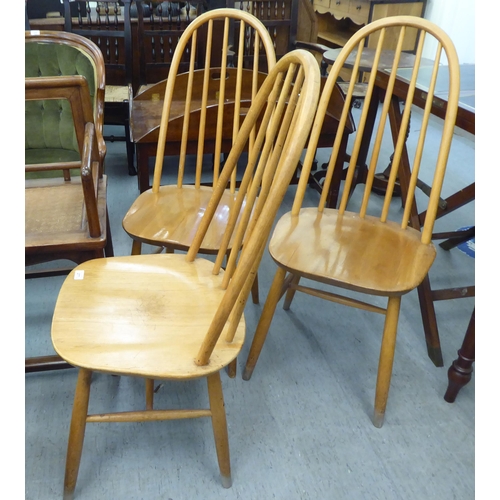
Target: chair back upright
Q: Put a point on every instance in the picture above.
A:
(208, 102)
(445, 64)
(285, 105)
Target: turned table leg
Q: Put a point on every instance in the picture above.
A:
(460, 372)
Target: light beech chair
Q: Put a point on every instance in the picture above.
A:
(359, 251)
(203, 110)
(179, 316)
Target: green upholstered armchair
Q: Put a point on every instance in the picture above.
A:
(49, 131)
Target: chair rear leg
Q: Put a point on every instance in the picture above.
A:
(264, 322)
(219, 425)
(136, 247)
(255, 289)
(386, 360)
(108, 249)
(77, 432)
(290, 294)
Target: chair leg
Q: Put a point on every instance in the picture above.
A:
(77, 432)
(232, 368)
(150, 389)
(108, 249)
(264, 322)
(290, 294)
(255, 289)
(136, 247)
(130, 150)
(219, 425)
(386, 360)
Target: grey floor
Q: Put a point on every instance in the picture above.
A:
(301, 427)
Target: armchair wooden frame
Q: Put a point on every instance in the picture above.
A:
(93, 53)
(66, 218)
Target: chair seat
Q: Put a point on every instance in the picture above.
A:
(173, 214)
(55, 216)
(143, 315)
(363, 255)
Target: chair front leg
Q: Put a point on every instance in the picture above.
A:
(386, 359)
(219, 425)
(77, 432)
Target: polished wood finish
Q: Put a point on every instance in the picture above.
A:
(460, 371)
(66, 219)
(202, 113)
(180, 316)
(360, 251)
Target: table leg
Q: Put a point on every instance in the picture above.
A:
(142, 167)
(460, 372)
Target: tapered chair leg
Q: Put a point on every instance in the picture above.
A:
(77, 432)
(386, 360)
(255, 289)
(136, 247)
(290, 293)
(219, 425)
(264, 322)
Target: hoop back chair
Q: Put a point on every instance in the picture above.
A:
(109, 27)
(361, 251)
(176, 316)
(202, 113)
(65, 219)
(56, 53)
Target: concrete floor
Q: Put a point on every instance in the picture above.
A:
(301, 428)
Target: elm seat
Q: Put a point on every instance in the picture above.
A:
(49, 131)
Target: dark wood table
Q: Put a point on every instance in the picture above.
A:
(465, 121)
(146, 116)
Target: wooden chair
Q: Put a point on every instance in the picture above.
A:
(359, 251)
(203, 109)
(108, 25)
(56, 53)
(65, 218)
(180, 317)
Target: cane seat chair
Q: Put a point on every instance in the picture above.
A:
(203, 109)
(66, 219)
(360, 252)
(180, 316)
(57, 53)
